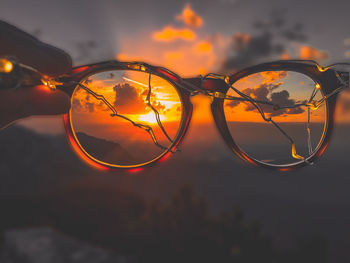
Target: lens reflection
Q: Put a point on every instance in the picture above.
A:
(125, 118)
(278, 93)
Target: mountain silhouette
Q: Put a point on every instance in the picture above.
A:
(104, 150)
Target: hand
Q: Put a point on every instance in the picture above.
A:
(38, 100)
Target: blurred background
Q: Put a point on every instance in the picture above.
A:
(202, 204)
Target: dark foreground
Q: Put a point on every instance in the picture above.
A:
(55, 209)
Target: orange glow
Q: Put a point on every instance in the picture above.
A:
(321, 152)
(189, 17)
(135, 170)
(43, 89)
(285, 56)
(169, 34)
(150, 118)
(173, 55)
(203, 47)
(311, 53)
(164, 99)
(6, 66)
(122, 57)
(245, 157)
(164, 157)
(50, 83)
(285, 169)
(170, 47)
(79, 69)
(294, 153)
(322, 69)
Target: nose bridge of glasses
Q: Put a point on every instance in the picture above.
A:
(208, 85)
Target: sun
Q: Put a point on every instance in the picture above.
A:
(150, 117)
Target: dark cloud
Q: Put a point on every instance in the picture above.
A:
(76, 105)
(282, 98)
(128, 100)
(269, 41)
(259, 93)
(254, 49)
(233, 103)
(264, 92)
(84, 105)
(90, 106)
(295, 33)
(145, 93)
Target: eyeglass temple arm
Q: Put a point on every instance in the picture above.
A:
(343, 78)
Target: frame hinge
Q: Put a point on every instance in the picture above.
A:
(219, 95)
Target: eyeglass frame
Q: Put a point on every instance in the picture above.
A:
(217, 87)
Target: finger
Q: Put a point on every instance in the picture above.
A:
(40, 100)
(37, 100)
(32, 52)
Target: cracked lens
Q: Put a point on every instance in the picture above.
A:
(285, 123)
(125, 117)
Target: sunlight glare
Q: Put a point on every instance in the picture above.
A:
(150, 117)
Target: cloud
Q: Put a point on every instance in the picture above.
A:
(281, 98)
(86, 103)
(272, 76)
(246, 50)
(295, 33)
(285, 56)
(233, 103)
(76, 105)
(128, 100)
(170, 33)
(272, 40)
(240, 40)
(265, 92)
(158, 106)
(308, 52)
(90, 106)
(189, 17)
(173, 55)
(185, 50)
(203, 47)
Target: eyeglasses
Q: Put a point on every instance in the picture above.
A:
(131, 115)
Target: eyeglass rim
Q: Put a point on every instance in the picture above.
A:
(327, 81)
(186, 107)
(325, 78)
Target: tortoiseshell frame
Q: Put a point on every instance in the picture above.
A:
(325, 78)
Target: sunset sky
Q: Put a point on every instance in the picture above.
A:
(189, 37)
(126, 91)
(192, 37)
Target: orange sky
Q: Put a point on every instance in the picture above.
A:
(127, 92)
(183, 47)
